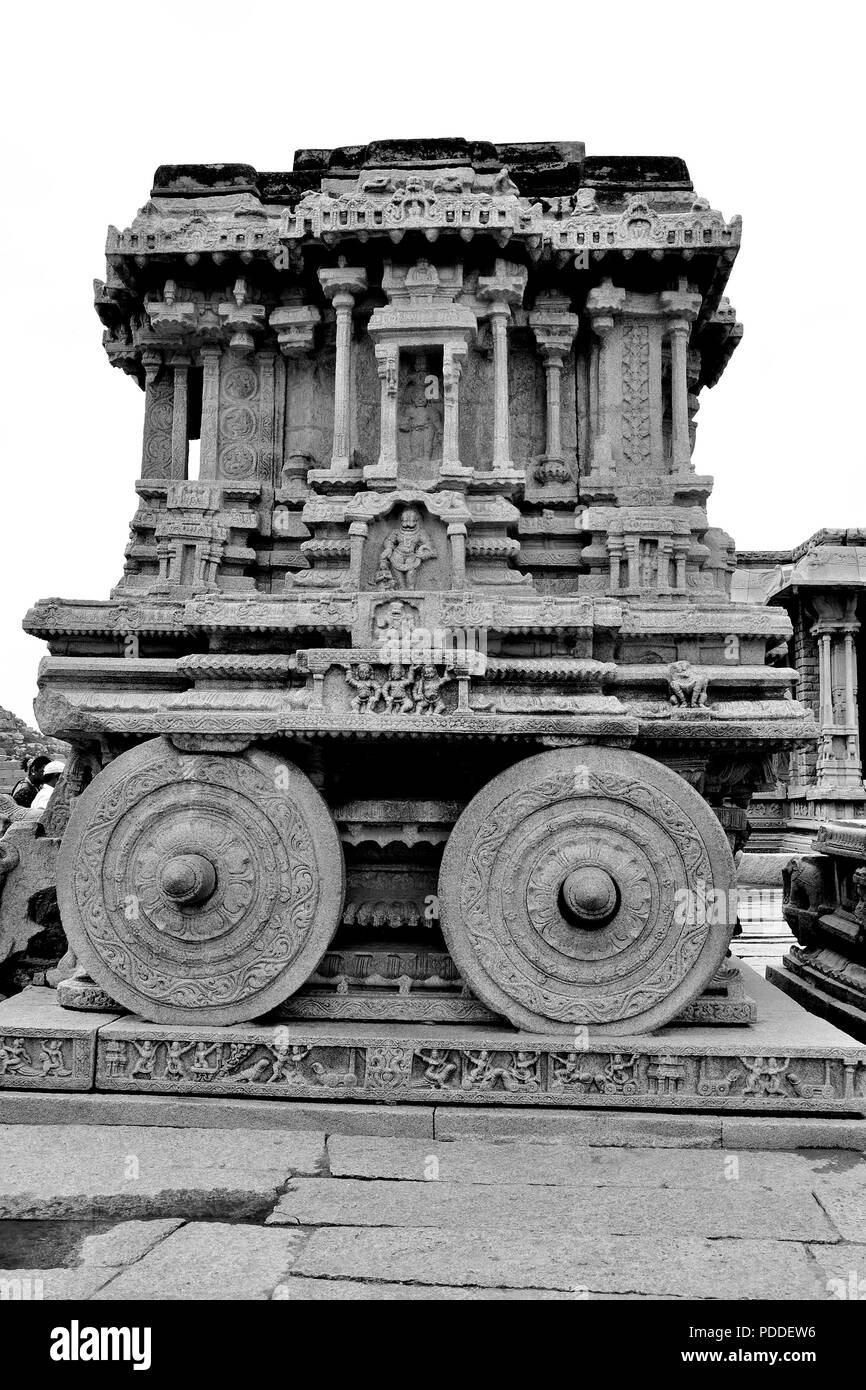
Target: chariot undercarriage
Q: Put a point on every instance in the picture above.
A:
(423, 699)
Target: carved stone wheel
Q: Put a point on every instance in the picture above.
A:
(197, 887)
(580, 888)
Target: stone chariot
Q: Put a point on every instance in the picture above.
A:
(421, 713)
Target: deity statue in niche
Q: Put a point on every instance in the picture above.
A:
(404, 552)
(419, 419)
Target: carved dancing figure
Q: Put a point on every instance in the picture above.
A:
(201, 1065)
(522, 1073)
(439, 1068)
(13, 1057)
(686, 685)
(426, 691)
(287, 1060)
(566, 1070)
(173, 1069)
(146, 1059)
(766, 1076)
(397, 690)
(51, 1058)
(404, 552)
(368, 691)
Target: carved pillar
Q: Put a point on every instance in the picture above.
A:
(632, 546)
(500, 290)
(388, 359)
(358, 531)
(603, 305)
(341, 285)
(615, 551)
(681, 308)
(156, 433)
(839, 759)
(210, 359)
(457, 538)
(266, 395)
(555, 329)
(179, 419)
(452, 369)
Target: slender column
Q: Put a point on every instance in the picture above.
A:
(457, 537)
(681, 308)
(210, 358)
(680, 442)
(500, 290)
(452, 370)
(499, 316)
(604, 304)
(553, 373)
(179, 425)
(633, 564)
(851, 712)
(555, 328)
(266, 395)
(341, 285)
(388, 358)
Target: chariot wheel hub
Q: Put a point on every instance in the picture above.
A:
(589, 896)
(188, 879)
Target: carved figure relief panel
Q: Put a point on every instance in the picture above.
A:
(406, 550)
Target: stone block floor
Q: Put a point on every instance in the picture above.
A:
(119, 1211)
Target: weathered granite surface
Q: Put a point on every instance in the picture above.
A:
(422, 703)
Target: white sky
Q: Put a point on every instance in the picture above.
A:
(762, 99)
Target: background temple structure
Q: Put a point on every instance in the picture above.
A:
(413, 747)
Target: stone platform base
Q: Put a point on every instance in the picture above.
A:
(787, 1063)
(820, 996)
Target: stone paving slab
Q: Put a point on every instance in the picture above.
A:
(210, 1260)
(842, 1269)
(345, 1290)
(49, 1285)
(74, 1171)
(561, 1163)
(126, 1242)
(845, 1204)
(731, 1209)
(682, 1267)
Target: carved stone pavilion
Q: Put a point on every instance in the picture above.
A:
(409, 750)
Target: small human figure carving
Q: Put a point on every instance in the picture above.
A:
(425, 691)
(397, 690)
(686, 686)
(523, 1072)
(146, 1059)
(404, 552)
(201, 1064)
(173, 1069)
(13, 1057)
(368, 691)
(439, 1068)
(51, 1058)
(287, 1061)
(766, 1076)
